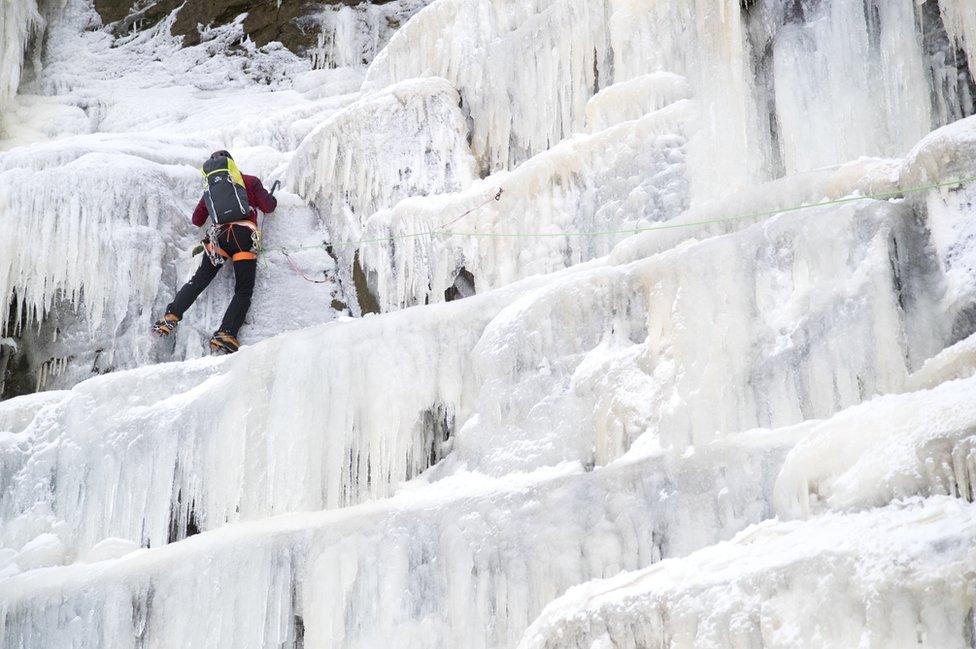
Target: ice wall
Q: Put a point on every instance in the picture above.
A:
(862, 77)
(351, 36)
(406, 139)
(567, 205)
(118, 209)
(133, 118)
(783, 332)
(468, 562)
(960, 23)
(19, 19)
(593, 409)
(409, 139)
(218, 441)
(894, 577)
(465, 562)
(802, 321)
(58, 243)
(524, 69)
(919, 444)
(633, 99)
(849, 82)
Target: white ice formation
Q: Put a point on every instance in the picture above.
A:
(352, 35)
(766, 78)
(895, 577)
(711, 384)
(19, 19)
(407, 140)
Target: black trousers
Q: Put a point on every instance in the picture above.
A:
(232, 240)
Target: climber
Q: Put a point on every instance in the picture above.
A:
(231, 202)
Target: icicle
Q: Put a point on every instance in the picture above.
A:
(919, 443)
(779, 584)
(460, 563)
(19, 19)
(629, 176)
(409, 139)
(960, 22)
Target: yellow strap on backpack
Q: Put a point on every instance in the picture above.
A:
(232, 170)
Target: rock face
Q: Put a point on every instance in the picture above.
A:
(287, 21)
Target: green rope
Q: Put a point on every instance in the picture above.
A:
(898, 193)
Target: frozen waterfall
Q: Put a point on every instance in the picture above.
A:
(637, 323)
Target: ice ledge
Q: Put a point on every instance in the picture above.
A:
(894, 577)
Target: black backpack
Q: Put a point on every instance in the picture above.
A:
(226, 195)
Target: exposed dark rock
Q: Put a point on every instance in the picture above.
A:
(16, 376)
(266, 21)
(462, 287)
(436, 431)
(367, 300)
(954, 89)
(183, 520)
(762, 22)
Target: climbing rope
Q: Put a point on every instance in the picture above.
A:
(443, 231)
(496, 197)
(299, 272)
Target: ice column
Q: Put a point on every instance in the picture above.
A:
(18, 21)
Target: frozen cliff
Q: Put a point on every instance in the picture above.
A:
(618, 324)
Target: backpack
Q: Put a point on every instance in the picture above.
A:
(226, 194)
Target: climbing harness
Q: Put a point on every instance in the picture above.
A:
(217, 255)
(210, 245)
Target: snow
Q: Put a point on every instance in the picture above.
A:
(922, 443)
(16, 414)
(892, 577)
(41, 552)
(634, 98)
(110, 548)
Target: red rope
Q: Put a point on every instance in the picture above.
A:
(300, 273)
(496, 197)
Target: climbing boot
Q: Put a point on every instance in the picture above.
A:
(223, 343)
(166, 326)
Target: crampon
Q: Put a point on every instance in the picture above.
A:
(166, 326)
(223, 343)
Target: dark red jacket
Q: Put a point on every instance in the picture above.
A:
(257, 196)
